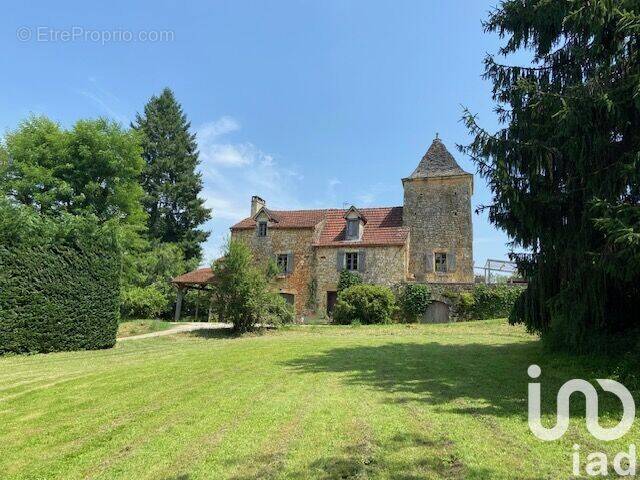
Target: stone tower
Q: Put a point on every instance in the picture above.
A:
(437, 211)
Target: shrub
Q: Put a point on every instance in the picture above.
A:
(365, 304)
(348, 279)
(142, 302)
(466, 303)
(59, 283)
(147, 273)
(414, 300)
(485, 301)
(278, 310)
(494, 301)
(240, 292)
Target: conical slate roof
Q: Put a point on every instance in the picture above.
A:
(437, 162)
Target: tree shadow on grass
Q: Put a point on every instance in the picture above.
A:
(376, 460)
(488, 379)
(227, 333)
(214, 333)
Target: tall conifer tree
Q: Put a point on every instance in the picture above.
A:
(170, 180)
(565, 168)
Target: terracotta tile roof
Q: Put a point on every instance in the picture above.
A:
(287, 219)
(384, 227)
(199, 276)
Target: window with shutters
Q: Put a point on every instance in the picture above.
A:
(262, 229)
(283, 262)
(441, 262)
(351, 260)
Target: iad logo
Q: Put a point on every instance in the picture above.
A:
(624, 463)
(591, 396)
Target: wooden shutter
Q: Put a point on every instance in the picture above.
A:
(451, 261)
(361, 260)
(340, 260)
(289, 262)
(428, 262)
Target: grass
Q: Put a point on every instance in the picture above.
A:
(138, 327)
(401, 402)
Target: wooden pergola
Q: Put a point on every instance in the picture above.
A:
(199, 279)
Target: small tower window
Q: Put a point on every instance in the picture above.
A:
(441, 262)
(262, 229)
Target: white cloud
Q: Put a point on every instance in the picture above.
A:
(334, 182)
(227, 154)
(214, 152)
(224, 208)
(232, 173)
(222, 126)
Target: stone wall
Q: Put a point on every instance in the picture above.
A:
(438, 212)
(279, 240)
(383, 266)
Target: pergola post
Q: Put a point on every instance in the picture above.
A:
(179, 304)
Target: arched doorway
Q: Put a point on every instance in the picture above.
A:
(437, 312)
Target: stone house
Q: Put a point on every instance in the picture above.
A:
(427, 239)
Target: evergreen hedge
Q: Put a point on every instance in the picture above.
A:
(59, 285)
(486, 301)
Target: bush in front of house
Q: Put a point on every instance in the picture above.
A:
(414, 300)
(59, 283)
(241, 294)
(278, 310)
(348, 279)
(365, 304)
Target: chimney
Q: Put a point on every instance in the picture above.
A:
(256, 204)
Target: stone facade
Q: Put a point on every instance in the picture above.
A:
(438, 214)
(297, 242)
(428, 239)
(385, 265)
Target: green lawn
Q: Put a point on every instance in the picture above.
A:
(138, 327)
(402, 402)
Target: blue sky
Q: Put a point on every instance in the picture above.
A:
(308, 104)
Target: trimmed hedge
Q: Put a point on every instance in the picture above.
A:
(59, 291)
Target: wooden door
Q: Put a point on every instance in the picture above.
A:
(332, 297)
(437, 312)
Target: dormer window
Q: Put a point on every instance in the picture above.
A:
(354, 224)
(353, 229)
(263, 218)
(262, 229)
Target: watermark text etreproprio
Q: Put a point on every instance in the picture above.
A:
(78, 33)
